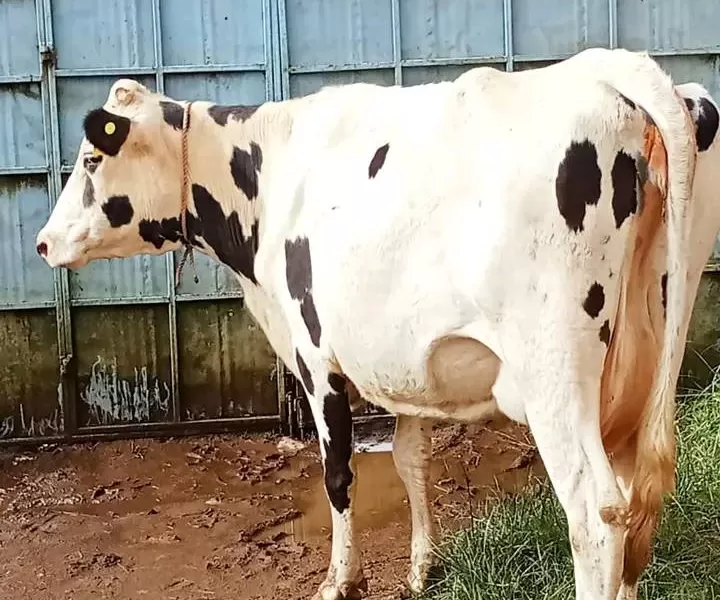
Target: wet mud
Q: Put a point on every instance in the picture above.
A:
(225, 517)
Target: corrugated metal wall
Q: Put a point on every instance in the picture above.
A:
(113, 348)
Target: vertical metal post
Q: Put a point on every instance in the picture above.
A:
(61, 282)
(396, 40)
(268, 18)
(170, 256)
(284, 65)
(612, 23)
(508, 35)
(274, 91)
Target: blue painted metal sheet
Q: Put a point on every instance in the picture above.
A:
(557, 27)
(24, 208)
(114, 34)
(22, 141)
(18, 25)
(433, 29)
(121, 325)
(212, 32)
(669, 25)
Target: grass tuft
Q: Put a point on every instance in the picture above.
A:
(519, 547)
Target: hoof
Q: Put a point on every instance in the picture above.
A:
(329, 590)
(416, 583)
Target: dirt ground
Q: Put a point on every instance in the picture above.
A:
(223, 517)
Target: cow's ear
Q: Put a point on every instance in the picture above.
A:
(106, 131)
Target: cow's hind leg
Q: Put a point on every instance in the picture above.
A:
(412, 451)
(563, 415)
(328, 398)
(624, 467)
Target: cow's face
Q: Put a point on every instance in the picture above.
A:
(125, 186)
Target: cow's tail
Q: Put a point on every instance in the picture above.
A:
(640, 79)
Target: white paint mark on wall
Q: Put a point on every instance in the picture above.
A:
(111, 399)
(31, 426)
(7, 426)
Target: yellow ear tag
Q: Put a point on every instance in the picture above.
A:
(97, 152)
(109, 128)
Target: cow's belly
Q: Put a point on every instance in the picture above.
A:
(448, 376)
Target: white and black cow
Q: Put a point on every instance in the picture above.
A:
(525, 242)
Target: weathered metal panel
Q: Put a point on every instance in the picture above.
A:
(328, 32)
(24, 279)
(122, 364)
(420, 75)
(556, 27)
(129, 358)
(17, 24)
(668, 24)
(21, 134)
(29, 400)
(227, 367)
(307, 83)
(117, 33)
(458, 29)
(226, 88)
(704, 69)
(203, 32)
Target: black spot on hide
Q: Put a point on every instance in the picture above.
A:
(220, 114)
(595, 300)
(118, 210)
(577, 183)
(172, 114)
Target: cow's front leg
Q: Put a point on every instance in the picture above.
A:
(328, 399)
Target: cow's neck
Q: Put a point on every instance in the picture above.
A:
(229, 151)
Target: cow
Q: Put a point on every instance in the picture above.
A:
(522, 243)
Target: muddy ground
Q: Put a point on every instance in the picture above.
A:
(223, 517)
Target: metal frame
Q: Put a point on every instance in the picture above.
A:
(63, 303)
(277, 69)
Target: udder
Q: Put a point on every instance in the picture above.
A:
(461, 373)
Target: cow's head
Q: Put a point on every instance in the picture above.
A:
(123, 196)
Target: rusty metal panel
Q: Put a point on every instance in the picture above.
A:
(122, 365)
(458, 29)
(227, 367)
(29, 402)
(24, 279)
(670, 25)
(117, 33)
(21, 134)
(203, 32)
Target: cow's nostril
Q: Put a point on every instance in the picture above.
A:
(42, 249)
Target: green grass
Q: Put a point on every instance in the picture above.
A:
(519, 548)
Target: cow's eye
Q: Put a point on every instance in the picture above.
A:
(91, 162)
